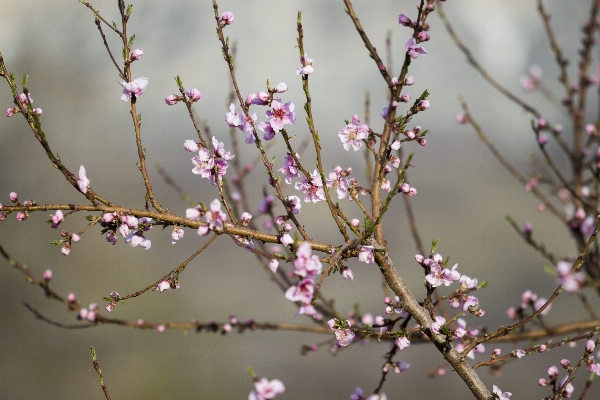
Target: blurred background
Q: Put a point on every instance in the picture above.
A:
(463, 193)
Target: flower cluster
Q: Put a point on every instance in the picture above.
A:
(209, 166)
(130, 227)
(24, 101)
(306, 266)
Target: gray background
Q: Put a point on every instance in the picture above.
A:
(463, 194)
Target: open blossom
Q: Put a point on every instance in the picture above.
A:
(232, 118)
(338, 182)
(366, 255)
(203, 163)
(353, 134)
(281, 114)
(248, 127)
(306, 264)
(343, 334)
(414, 50)
(266, 127)
(177, 234)
(82, 181)
(289, 168)
(303, 292)
(312, 189)
(265, 389)
(215, 218)
(135, 87)
(306, 68)
(439, 275)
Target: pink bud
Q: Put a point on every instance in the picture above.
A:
(11, 111)
(355, 223)
(281, 87)
(409, 80)
(412, 191)
(109, 307)
(422, 142)
(246, 217)
(405, 98)
(14, 197)
(161, 328)
(565, 363)
(542, 348)
(164, 285)
(273, 265)
(47, 275)
(227, 18)
(419, 258)
(66, 249)
(553, 372)
(21, 216)
(410, 134)
(37, 111)
(542, 139)
(404, 20)
(405, 187)
(172, 99)
(423, 105)
(591, 130)
(461, 118)
(590, 346)
(72, 298)
(136, 54)
(193, 94)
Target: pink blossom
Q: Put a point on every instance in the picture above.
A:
(83, 182)
(191, 146)
(532, 81)
(215, 218)
(366, 254)
(423, 105)
(227, 18)
(66, 249)
(273, 265)
(47, 275)
(56, 219)
(281, 114)
(436, 326)
(290, 169)
(177, 234)
(75, 237)
(248, 128)
(286, 239)
(267, 129)
(164, 285)
(295, 204)
(172, 99)
(346, 273)
(265, 389)
(353, 134)
(338, 182)
(402, 342)
(571, 281)
(343, 337)
(306, 264)
(135, 87)
(203, 163)
(414, 50)
(281, 87)
(306, 68)
(193, 94)
(498, 392)
(232, 118)
(404, 20)
(303, 292)
(312, 188)
(37, 111)
(11, 111)
(136, 54)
